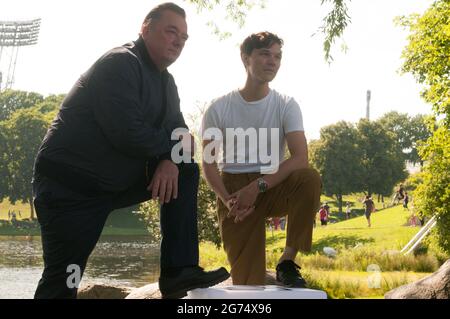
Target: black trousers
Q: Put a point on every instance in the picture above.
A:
(71, 224)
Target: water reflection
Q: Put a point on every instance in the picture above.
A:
(125, 260)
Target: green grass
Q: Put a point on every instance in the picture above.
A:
(120, 222)
(121, 231)
(358, 246)
(24, 228)
(388, 231)
(344, 284)
(351, 238)
(6, 205)
(356, 206)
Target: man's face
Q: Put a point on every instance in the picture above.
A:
(165, 38)
(263, 64)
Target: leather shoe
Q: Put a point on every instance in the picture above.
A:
(288, 273)
(190, 278)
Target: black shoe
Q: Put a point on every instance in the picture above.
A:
(288, 273)
(190, 278)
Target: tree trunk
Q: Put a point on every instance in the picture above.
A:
(339, 198)
(31, 208)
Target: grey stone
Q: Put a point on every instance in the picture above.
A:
(101, 291)
(435, 286)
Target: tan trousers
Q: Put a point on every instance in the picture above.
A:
(298, 197)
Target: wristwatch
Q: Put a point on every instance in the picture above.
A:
(262, 185)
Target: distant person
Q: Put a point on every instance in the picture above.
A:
(399, 194)
(14, 218)
(405, 201)
(348, 211)
(323, 214)
(9, 214)
(414, 220)
(421, 217)
(282, 223)
(276, 222)
(327, 207)
(369, 208)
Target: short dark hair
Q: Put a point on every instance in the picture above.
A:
(259, 40)
(157, 11)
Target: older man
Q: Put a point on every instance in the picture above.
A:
(109, 147)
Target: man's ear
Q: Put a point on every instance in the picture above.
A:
(144, 28)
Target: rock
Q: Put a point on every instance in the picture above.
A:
(330, 252)
(101, 291)
(435, 286)
(151, 291)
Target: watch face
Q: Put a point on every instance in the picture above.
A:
(262, 185)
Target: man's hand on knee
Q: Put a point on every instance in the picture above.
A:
(164, 184)
(245, 200)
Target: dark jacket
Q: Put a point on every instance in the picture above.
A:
(118, 116)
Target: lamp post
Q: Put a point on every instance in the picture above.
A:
(13, 35)
(368, 105)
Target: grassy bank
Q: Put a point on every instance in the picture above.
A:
(359, 250)
(120, 222)
(23, 208)
(7, 229)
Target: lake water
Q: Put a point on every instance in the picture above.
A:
(124, 260)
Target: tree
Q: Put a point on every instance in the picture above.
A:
(3, 163)
(208, 229)
(419, 133)
(12, 100)
(382, 159)
(427, 58)
(337, 156)
(408, 131)
(51, 104)
(332, 28)
(427, 55)
(24, 130)
(432, 197)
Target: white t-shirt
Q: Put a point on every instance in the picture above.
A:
(252, 134)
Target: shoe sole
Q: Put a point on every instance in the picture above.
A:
(305, 286)
(183, 292)
(291, 285)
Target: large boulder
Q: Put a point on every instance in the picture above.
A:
(435, 286)
(101, 291)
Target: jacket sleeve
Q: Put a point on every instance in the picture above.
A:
(175, 119)
(115, 87)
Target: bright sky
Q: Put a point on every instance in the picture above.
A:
(75, 33)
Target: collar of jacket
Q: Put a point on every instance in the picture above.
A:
(142, 49)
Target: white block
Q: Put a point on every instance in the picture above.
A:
(255, 292)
